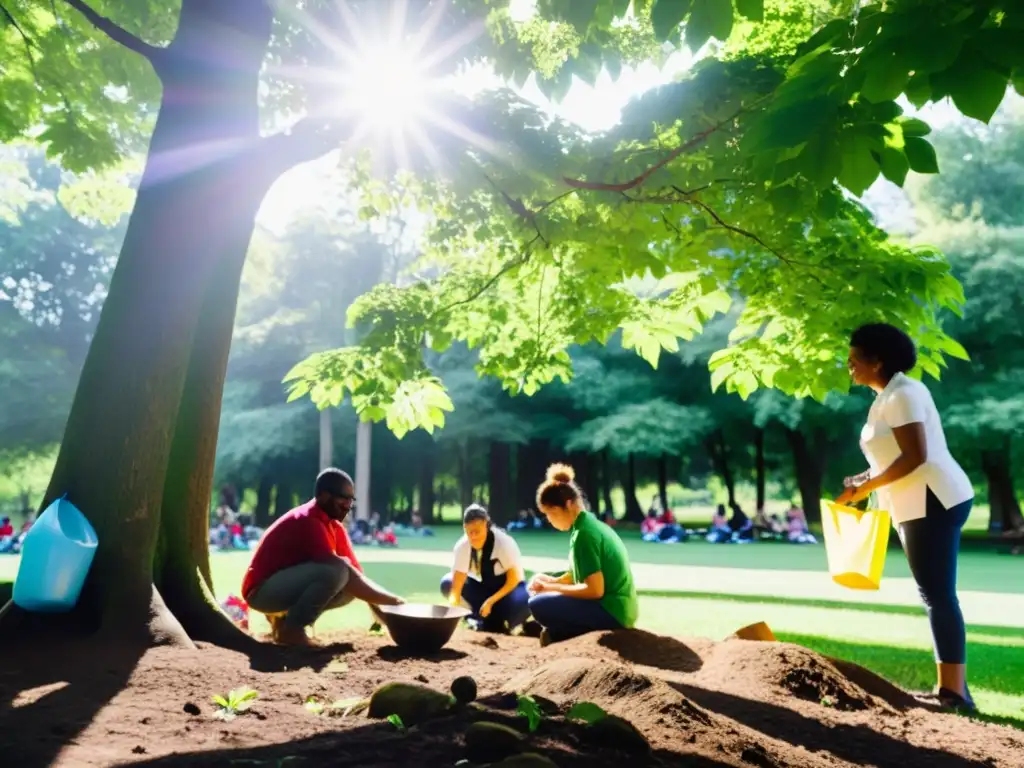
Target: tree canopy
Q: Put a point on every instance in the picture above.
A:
(736, 183)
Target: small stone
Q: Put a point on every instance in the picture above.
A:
(422, 679)
(464, 689)
(138, 750)
(487, 742)
(413, 703)
(191, 709)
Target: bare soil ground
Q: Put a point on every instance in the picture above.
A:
(698, 703)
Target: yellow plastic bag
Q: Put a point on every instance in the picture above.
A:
(856, 543)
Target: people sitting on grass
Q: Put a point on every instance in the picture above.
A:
(598, 590)
(304, 564)
(487, 576)
(797, 531)
(768, 526)
(661, 527)
(7, 537)
(526, 518)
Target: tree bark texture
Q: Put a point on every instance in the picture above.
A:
(138, 400)
(718, 451)
(759, 469)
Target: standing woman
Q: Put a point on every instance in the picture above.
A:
(487, 575)
(598, 591)
(921, 485)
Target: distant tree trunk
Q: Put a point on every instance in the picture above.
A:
(663, 481)
(261, 515)
(634, 512)
(284, 498)
(500, 500)
(808, 464)
(587, 477)
(759, 473)
(465, 471)
(531, 463)
(1004, 506)
(427, 472)
(719, 454)
(606, 484)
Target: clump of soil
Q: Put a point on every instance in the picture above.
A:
(696, 703)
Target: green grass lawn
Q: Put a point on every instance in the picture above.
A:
(890, 640)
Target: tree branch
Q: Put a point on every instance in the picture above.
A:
(697, 140)
(308, 139)
(118, 34)
(24, 37)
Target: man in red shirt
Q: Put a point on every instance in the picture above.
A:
(304, 564)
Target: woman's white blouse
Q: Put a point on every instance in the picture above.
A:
(506, 555)
(907, 401)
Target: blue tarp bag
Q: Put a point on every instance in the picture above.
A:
(55, 559)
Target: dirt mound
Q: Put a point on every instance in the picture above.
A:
(92, 707)
(771, 670)
(634, 646)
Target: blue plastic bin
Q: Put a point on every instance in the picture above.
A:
(55, 559)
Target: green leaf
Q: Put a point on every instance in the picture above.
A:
(894, 164)
(579, 13)
(396, 720)
(953, 348)
(976, 89)
(667, 15)
(709, 18)
(913, 127)
(791, 125)
(527, 706)
(919, 89)
(745, 383)
(885, 79)
(860, 169)
(1018, 80)
(751, 9)
(822, 159)
(587, 712)
(921, 155)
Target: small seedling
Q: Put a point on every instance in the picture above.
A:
(527, 706)
(314, 705)
(396, 721)
(340, 708)
(827, 701)
(586, 711)
(235, 703)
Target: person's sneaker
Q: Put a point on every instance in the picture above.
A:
(531, 628)
(954, 701)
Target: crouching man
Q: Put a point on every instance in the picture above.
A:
(304, 564)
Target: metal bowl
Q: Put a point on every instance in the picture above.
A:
(419, 627)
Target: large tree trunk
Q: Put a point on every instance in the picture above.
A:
(808, 464)
(663, 481)
(606, 483)
(500, 501)
(634, 512)
(719, 454)
(194, 213)
(261, 515)
(427, 474)
(759, 471)
(1004, 506)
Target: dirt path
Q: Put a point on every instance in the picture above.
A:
(697, 703)
(989, 608)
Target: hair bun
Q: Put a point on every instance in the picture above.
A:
(561, 473)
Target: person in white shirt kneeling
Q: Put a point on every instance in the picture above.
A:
(920, 484)
(487, 576)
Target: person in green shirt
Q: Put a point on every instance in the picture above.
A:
(597, 592)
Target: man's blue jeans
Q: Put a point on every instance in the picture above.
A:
(566, 617)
